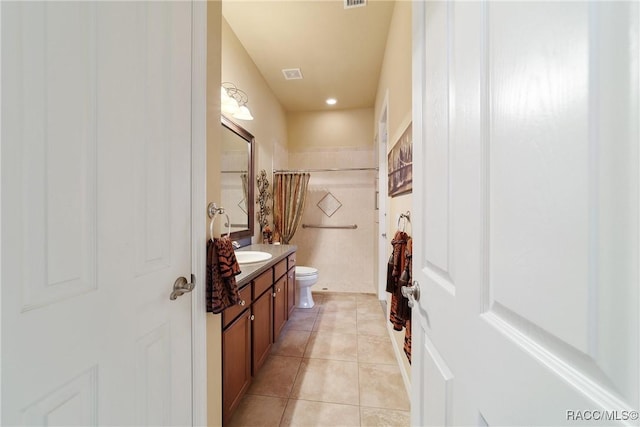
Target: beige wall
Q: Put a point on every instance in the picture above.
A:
(395, 75)
(340, 128)
(269, 126)
(214, 142)
(395, 79)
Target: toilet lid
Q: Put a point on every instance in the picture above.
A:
(305, 271)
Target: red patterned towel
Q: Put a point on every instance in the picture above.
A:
(226, 257)
(222, 267)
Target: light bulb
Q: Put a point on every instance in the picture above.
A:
(243, 113)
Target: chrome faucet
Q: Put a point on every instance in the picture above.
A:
(235, 244)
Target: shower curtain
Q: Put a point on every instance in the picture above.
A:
(290, 193)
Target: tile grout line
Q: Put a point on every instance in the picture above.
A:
(358, 365)
(295, 378)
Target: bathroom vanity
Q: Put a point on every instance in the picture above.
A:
(267, 290)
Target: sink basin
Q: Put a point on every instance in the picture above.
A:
(251, 257)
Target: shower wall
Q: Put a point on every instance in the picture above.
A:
(343, 257)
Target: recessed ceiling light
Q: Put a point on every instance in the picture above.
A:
(331, 101)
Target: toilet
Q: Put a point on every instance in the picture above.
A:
(305, 278)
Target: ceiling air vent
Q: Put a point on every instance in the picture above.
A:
(350, 4)
(292, 73)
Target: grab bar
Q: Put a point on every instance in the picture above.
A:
(342, 227)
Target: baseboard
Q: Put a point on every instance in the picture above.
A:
(399, 352)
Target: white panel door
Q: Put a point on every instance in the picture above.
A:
(525, 215)
(96, 134)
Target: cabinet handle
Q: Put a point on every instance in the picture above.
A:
(273, 294)
(253, 317)
(242, 303)
(278, 289)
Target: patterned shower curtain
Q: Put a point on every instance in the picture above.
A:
(290, 193)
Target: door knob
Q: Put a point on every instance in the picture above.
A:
(182, 286)
(412, 293)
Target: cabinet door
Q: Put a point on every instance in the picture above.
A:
(279, 306)
(291, 291)
(291, 261)
(236, 363)
(262, 329)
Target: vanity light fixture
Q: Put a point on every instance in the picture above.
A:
(233, 102)
(331, 101)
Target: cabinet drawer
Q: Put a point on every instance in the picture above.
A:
(262, 283)
(291, 260)
(279, 270)
(232, 312)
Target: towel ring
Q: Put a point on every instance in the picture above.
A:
(214, 210)
(406, 217)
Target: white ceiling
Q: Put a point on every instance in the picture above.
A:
(339, 51)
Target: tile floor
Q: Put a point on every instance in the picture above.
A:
(333, 365)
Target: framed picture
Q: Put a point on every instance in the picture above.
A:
(400, 165)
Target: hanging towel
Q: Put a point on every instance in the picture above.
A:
(407, 340)
(400, 276)
(400, 312)
(222, 267)
(391, 283)
(399, 243)
(403, 311)
(396, 260)
(407, 278)
(227, 261)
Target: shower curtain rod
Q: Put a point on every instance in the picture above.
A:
(324, 170)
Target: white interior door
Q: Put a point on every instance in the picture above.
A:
(96, 133)
(526, 218)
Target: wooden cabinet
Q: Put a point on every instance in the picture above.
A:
(291, 261)
(236, 363)
(279, 306)
(291, 291)
(262, 283)
(262, 329)
(279, 270)
(232, 312)
(291, 284)
(249, 329)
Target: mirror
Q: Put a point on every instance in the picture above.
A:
(237, 180)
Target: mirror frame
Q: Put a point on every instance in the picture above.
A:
(242, 133)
